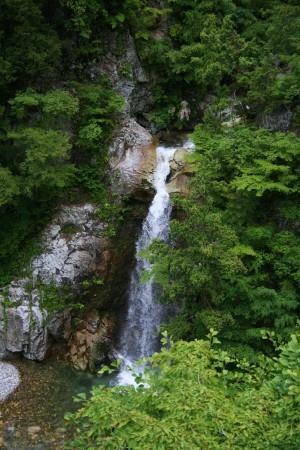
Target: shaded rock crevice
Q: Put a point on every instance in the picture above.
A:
(126, 73)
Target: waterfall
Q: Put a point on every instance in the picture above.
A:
(145, 313)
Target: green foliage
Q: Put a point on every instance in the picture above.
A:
(116, 14)
(9, 188)
(266, 82)
(224, 48)
(30, 48)
(57, 103)
(126, 71)
(35, 151)
(234, 259)
(83, 12)
(238, 271)
(99, 114)
(41, 148)
(70, 229)
(113, 212)
(53, 298)
(193, 396)
(208, 61)
(44, 165)
(36, 148)
(21, 225)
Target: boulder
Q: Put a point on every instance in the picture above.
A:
(9, 380)
(179, 182)
(132, 160)
(181, 171)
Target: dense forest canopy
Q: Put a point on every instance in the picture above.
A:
(230, 71)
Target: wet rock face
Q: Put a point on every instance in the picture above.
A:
(72, 246)
(181, 172)
(133, 160)
(92, 343)
(128, 76)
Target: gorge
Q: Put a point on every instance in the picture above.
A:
(96, 100)
(139, 323)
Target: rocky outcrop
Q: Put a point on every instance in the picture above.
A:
(127, 75)
(181, 171)
(76, 256)
(72, 245)
(73, 241)
(278, 120)
(22, 330)
(92, 343)
(132, 160)
(75, 249)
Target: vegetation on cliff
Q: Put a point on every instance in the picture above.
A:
(211, 52)
(56, 124)
(233, 260)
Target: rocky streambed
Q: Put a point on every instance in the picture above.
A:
(32, 417)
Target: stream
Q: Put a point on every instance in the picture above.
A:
(32, 417)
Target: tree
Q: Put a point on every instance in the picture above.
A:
(45, 164)
(9, 188)
(30, 47)
(232, 261)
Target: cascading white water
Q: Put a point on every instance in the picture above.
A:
(145, 313)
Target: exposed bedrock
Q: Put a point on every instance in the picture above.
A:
(67, 258)
(181, 172)
(126, 73)
(76, 256)
(133, 161)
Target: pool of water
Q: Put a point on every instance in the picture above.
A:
(33, 416)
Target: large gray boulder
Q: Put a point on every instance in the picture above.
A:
(181, 171)
(9, 380)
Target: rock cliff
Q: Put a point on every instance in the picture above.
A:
(67, 258)
(76, 251)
